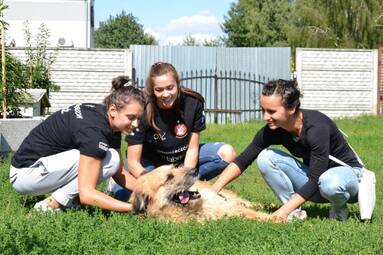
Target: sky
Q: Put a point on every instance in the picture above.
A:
(170, 21)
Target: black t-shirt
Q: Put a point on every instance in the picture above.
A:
(319, 138)
(169, 146)
(82, 126)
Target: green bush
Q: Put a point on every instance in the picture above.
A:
(39, 61)
(16, 79)
(34, 73)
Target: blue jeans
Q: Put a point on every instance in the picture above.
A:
(210, 164)
(285, 175)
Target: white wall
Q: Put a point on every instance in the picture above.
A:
(338, 82)
(68, 19)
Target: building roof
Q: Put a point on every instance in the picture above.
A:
(36, 94)
(39, 95)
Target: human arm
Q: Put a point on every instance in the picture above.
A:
(198, 124)
(230, 173)
(283, 212)
(88, 174)
(126, 179)
(134, 153)
(240, 164)
(136, 141)
(191, 158)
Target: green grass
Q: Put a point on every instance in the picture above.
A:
(92, 231)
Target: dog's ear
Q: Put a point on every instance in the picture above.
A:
(140, 203)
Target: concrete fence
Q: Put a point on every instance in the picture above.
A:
(13, 132)
(339, 82)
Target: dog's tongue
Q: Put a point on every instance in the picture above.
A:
(184, 197)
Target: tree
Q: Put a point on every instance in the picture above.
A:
(35, 73)
(252, 23)
(39, 61)
(305, 23)
(120, 32)
(214, 42)
(337, 24)
(16, 81)
(12, 76)
(190, 41)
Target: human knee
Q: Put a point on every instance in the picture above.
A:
(264, 160)
(330, 187)
(227, 153)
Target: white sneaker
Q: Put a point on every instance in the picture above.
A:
(297, 214)
(42, 206)
(338, 213)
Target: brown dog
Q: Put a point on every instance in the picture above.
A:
(175, 194)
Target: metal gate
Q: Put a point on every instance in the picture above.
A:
(230, 97)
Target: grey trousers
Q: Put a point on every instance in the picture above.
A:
(59, 174)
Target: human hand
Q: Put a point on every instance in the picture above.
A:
(278, 217)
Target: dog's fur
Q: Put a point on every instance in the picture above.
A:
(175, 194)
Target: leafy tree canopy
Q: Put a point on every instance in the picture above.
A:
(190, 41)
(120, 32)
(255, 23)
(305, 23)
(337, 24)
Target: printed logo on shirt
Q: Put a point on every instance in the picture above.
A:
(77, 111)
(65, 110)
(178, 150)
(159, 136)
(180, 130)
(103, 146)
(173, 159)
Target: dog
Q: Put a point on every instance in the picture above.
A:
(174, 194)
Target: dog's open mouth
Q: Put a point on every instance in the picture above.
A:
(185, 196)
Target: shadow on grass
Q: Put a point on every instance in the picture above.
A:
(321, 211)
(317, 210)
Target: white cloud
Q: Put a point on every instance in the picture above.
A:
(179, 39)
(200, 26)
(200, 23)
(152, 32)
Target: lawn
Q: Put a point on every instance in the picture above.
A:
(92, 231)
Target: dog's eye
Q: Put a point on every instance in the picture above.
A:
(169, 177)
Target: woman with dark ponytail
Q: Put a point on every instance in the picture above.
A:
(76, 148)
(170, 129)
(306, 134)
